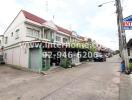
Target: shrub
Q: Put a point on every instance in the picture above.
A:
(65, 62)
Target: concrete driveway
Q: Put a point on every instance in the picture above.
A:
(90, 81)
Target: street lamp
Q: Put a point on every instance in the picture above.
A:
(121, 32)
(105, 3)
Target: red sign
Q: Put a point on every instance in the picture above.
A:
(127, 23)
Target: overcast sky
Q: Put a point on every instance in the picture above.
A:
(82, 16)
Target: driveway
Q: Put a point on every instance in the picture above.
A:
(89, 81)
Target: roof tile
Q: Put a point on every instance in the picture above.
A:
(33, 17)
(39, 20)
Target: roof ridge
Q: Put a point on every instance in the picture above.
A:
(40, 20)
(33, 17)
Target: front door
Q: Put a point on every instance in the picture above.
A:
(35, 59)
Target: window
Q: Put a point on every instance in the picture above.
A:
(58, 38)
(46, 35)
(6, 40)
(36, 33)
(12, 34)
(52, 34)
(30, 31)
(42, 35)
(65, 40)
(17, 33)
(33, 32)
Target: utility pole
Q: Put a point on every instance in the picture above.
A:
(121, 33)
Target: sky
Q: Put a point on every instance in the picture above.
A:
(82, 16)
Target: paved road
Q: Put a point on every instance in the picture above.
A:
(90, 81)
(125, 87)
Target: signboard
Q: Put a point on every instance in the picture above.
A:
(127, 23)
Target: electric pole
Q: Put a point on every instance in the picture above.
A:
(121, 33)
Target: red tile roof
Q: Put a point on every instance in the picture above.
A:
(39, 20)
(64, 30)
(33, 17)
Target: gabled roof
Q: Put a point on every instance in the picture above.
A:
(39, 20)
(33, 17)
(63, 30)
(51, 25)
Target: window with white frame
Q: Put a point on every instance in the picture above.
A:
(33, 32)
(29, 31)
(58, 38)
(46, 35)
(52, 34)
(17, 33)
(6, 40)
(42, 35)
(36, 33)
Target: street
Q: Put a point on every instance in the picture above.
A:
(89, 81)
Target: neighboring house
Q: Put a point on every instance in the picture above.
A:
(28, 28)
(75, 38)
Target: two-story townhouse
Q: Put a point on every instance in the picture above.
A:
(29, 29)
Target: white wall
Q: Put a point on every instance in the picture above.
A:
(18, 23)
(17, 56)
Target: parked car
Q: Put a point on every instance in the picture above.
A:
(99, 57)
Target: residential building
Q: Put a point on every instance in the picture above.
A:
(27, 30)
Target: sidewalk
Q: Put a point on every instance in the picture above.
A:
(125, 87)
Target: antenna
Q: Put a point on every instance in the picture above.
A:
(53, 17)
(47, 10)
(46, 6)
